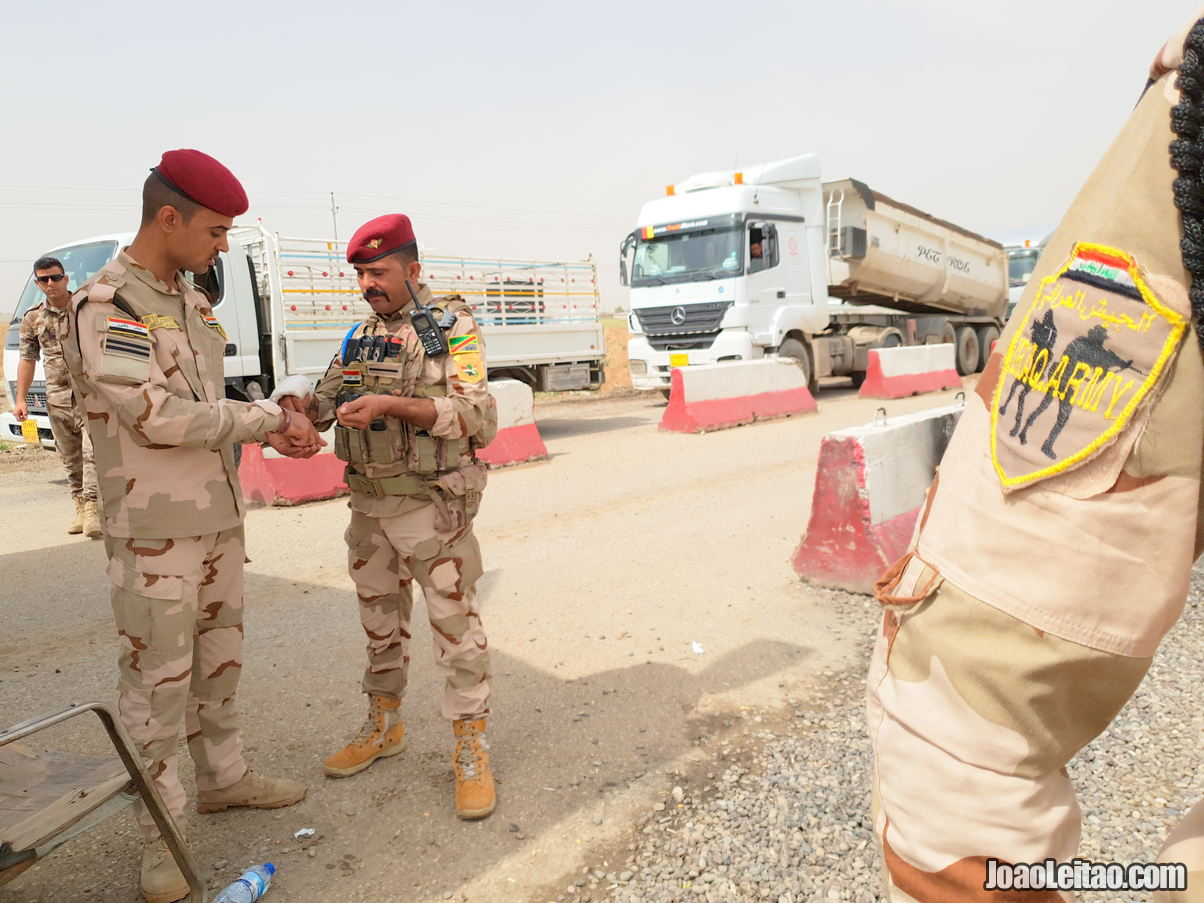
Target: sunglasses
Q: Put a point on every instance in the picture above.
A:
(53, 277)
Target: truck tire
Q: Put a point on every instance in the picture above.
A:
(793, 348)
(966, 350)
(986, 336)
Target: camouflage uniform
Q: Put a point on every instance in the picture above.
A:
(413, 499)
(1055, 546)
(148, 364)
(42, 329)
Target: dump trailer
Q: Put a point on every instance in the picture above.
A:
(286, 304)
(772, 260)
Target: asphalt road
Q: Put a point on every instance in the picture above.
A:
(606, 563)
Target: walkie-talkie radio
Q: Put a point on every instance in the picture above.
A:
(434, 342)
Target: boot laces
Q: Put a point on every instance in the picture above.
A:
(371, 725)
(469, 751)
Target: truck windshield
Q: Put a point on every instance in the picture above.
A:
(80, 263)
(687, 256)
(1020, 265)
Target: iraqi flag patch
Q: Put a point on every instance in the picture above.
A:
(1089, 349)
(129, 328)
(211, 321)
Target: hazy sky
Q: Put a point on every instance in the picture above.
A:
(528, 129)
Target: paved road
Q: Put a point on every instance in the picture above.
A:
(605, 564)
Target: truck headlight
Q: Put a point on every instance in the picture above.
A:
(638, 368)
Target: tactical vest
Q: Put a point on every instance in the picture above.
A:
(375, 362)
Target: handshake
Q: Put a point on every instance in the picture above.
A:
(297, 437)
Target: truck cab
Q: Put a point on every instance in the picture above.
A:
(724, 267)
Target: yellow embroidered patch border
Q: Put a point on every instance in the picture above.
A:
(1070, 348)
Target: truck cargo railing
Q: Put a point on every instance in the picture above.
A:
(318, 288)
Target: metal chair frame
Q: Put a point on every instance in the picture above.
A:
(142, 783)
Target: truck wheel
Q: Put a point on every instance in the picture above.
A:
(966, 350)
(986, 336)
(795, 349)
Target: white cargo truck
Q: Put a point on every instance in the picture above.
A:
(286, 304)
(773, 260)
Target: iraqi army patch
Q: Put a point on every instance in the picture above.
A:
(470, 366)
(159, 321)
(1088, 351)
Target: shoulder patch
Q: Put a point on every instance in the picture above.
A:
(470, 366)
(1090, 348)
(464, 344)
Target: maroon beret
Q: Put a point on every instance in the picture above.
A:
(202, 179)
(380, 237)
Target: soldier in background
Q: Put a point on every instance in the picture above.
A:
(145, 353)
(411, 414)
(1037, 590)
(42, 329)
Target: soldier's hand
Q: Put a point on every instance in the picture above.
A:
(295, 404)
(298, 439)
(21, 411)
(359, 413)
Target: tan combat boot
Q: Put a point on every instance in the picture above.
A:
(77, 525)
(162, 880)
(92, 520)
(475, 797)
(382, 734)
(253, 791)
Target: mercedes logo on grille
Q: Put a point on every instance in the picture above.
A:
(678, 316)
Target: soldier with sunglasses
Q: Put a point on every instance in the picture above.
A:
(41, 331)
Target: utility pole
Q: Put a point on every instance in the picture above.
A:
(334, 215)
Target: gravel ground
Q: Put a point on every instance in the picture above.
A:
(780, 811)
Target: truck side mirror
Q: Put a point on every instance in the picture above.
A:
(626, 249)
(769, 249)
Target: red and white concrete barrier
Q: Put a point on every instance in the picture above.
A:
(518, 438)
(869, 489)
(270, 478)
(912, 370)
(714, 396)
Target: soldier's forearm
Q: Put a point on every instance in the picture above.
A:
(418, 411)
(25, 371)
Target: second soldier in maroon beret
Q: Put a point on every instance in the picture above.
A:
(408, 391)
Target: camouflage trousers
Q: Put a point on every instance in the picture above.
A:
(973, 715)
(178, 605)
(385, 556)
(74, 446)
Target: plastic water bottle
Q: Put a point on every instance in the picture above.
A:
(253, 884)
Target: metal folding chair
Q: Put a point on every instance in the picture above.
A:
(48, 798)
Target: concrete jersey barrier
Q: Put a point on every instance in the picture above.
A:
(870, 483)
(269, 478)
(518, 438)
(715, 396)
(903, 371)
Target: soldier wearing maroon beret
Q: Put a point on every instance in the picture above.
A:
(145, 355)
(408, 391)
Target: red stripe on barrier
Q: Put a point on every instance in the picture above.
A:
(289, 481)
(514, 445)
(682, 416)
(878, 385)
(841, 547)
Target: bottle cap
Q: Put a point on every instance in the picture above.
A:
(271, 868)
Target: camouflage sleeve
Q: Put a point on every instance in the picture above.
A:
(322, 410)
(132, 385)
(461, 411)
(31, 348)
